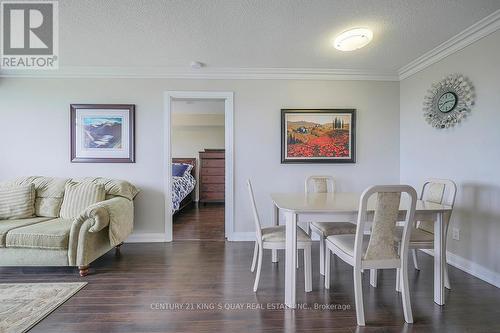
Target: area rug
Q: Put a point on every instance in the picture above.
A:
(23, 305)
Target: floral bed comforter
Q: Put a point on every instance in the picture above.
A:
(181, 187)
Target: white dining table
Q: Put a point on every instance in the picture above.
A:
(344, 206)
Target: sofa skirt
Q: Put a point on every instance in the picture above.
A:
(11, 256)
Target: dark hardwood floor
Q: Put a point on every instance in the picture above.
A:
(200, 222)
(126, 293)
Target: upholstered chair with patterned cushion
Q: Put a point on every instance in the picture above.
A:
(325, 184)
(441, 191)
(377, 250)
(273, 238)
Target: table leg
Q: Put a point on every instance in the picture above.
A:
(290, 259)
(439, 259)
(322, 255)
(276, 221)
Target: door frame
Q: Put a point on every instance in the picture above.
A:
(227, 96)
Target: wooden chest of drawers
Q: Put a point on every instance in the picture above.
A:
(212, 175)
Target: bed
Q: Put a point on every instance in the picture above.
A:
(183, 186)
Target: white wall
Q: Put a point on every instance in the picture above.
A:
(199, 106)
(34, 134)
(192, 133)
(469, 153)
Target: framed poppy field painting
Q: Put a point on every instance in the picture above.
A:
(318, 136)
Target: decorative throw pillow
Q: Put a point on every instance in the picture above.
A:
(179, 169)
(79, 196)
(17, 201)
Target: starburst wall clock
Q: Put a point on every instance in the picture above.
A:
(448, 101)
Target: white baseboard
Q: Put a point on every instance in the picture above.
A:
(250, 237)
(470, 267)
(160, 237)
(242, 237)
(152, 237)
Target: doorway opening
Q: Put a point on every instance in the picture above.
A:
(198, 165)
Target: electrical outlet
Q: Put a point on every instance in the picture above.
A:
(456, 234)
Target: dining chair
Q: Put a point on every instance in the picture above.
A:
(273, 238)
(378, 249)
(441, 191)
(325, 184)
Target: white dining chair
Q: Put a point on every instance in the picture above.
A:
(378, 249)
(441, 191)
(325, 184)
(273, 238)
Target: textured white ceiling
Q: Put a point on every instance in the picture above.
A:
(257, 33)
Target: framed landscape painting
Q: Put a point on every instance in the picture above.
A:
(102, 133)
(318, 136)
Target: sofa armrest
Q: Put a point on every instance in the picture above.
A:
(116, 213)
(99, 214)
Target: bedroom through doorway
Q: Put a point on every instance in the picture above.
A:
(198, 169)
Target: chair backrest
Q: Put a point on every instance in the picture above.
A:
(320, 184)
(382, 245)
(441, 191)
(255, 212)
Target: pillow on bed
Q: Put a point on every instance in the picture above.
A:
(179, 169)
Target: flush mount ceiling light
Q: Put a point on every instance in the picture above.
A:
(353, 39)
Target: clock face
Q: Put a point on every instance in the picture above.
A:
(447, 102)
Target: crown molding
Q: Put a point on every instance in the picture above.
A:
(475, 32)
(205, 73)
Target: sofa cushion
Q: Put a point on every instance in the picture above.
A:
(8, 225)
(79, 196)
(52, 234)
(49, 193)
(17, 201)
